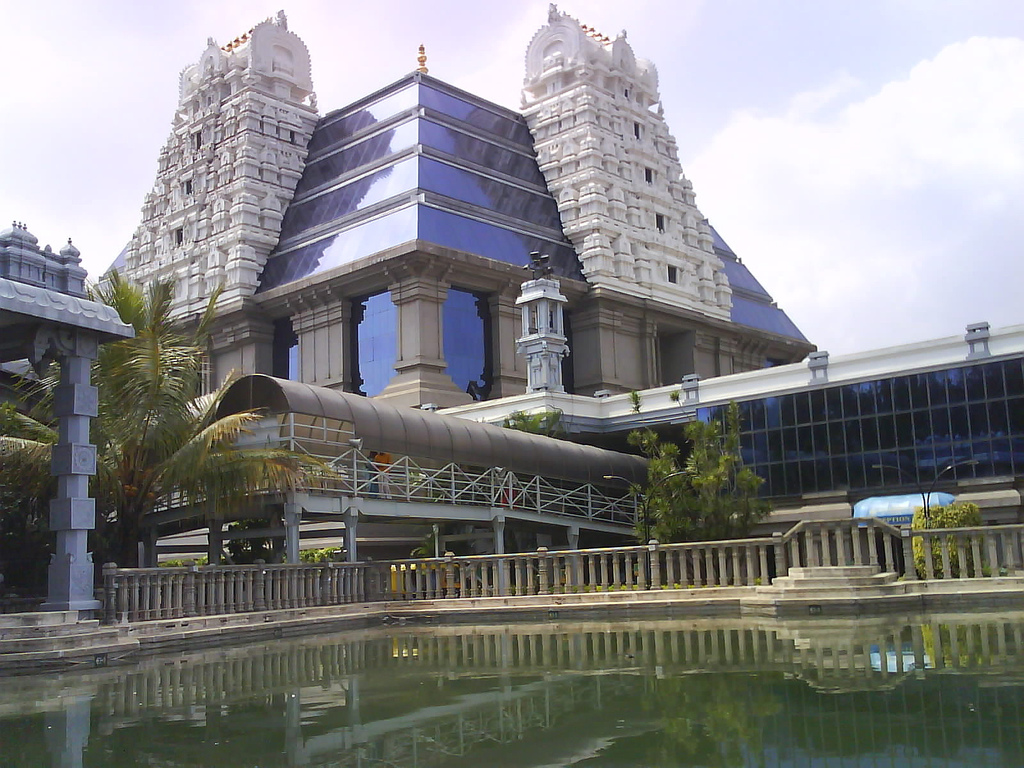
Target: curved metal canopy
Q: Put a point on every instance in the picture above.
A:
(416, 433)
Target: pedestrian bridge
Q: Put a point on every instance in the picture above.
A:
(392, 465)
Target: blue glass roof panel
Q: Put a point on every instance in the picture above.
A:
(331, 166)
(767, 317)
(741, 277)
(481, 152)
(348, 198)
(361, 240)
(486, 120)
(339, 126)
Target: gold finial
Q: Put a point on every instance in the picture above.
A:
(422, 59)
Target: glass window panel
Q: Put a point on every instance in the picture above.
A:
(535, 207)
(479, 117)
(853, 441)
(775, 449)
(955, 385)
(818, 412)
(869, 434)
(865, 397)
(334, 128)
(792, 473)
(851, 402)
(329, 168)
(994, 383)
(754, 415)
(834, 403)
(883, 396)
(777, 480)
(802, 405)
(978, 414)
(886, 432)
(840, 473)
(492, 241)
(855, 465)
(352, 196)
(804, 441)
(999, 422)
(837, 438)
(904, 430)
(789, 443)
(901, 393)
(788, 410)
(285, 362)
(1013, 379)
(936, 382)
(376, 348)
(918, 390)
(1001, 459)
(759, 447)
(467, 342)
(1015, 408)
(922, 426)
(974, 380)
(362, 240)
(808, 477)
(820, 435)
(959, 427)
(773, 412)
(485, 153)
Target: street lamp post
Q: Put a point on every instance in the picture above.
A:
(926, 496)
(645, 501)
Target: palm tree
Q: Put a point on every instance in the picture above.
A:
(159, 441)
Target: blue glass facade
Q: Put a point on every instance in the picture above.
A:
(467, 342)
(374, 343)
(902, 430)
(418, 161)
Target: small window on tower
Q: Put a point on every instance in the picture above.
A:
(291, 136)
(188, 187)
(637, 130)
(673, 274)
(625, 92)
(659, 222)
(649, 175)
(179, 236)
(197, 139)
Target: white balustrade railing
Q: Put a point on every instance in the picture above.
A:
(139, 594)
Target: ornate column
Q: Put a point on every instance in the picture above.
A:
(72, 512)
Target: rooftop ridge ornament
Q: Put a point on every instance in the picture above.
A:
(422, 59)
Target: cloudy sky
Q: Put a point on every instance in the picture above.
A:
(865, 159)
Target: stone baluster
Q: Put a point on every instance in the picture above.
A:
(543, 566)
(946, 559)
(110, 593)
(654, 555)
(929, 564)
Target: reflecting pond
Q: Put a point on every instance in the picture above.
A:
(931, 691)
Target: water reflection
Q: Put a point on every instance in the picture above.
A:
(939, 691)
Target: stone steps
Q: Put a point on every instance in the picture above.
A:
(28, 639)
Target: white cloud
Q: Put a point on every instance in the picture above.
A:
(889, 219)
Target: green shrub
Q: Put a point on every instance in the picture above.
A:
(957, 515)
(185, 562)
(318, 555)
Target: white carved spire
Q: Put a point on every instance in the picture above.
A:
(612, 165)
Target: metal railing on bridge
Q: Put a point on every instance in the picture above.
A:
(358, 474)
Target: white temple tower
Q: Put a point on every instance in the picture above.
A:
(612, 166)
(236, 151)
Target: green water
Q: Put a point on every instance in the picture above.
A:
(935, 692)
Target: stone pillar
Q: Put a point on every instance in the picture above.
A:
(67, 732)
(292, 516)
(215, 542)
(72, 512)
(351, 526)
(498, 527)
(509, 375)
(324, 337)
(420, 375)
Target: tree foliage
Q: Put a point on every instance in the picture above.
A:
(962, 514)
(158, 439)
(547, 423)
(707, 496)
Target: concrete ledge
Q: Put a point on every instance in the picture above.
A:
(88, 645)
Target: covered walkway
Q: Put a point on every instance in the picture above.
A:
(422, 470)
